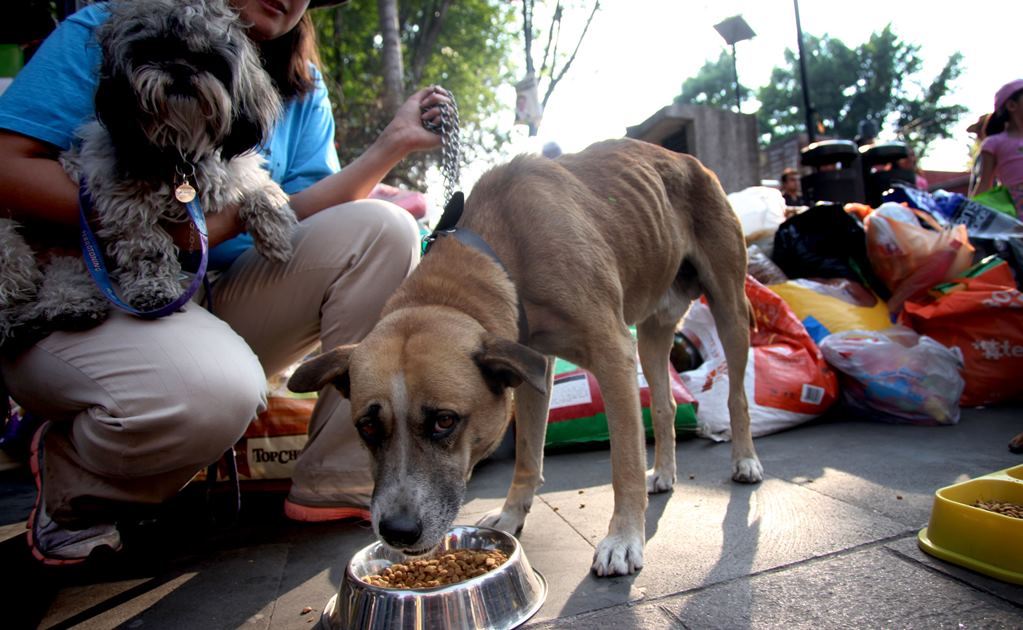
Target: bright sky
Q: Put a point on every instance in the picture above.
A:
(638, 52)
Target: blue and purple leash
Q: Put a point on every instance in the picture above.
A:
(92, 253)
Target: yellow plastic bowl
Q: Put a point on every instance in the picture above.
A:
(975, 538)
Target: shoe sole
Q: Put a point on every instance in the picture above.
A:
(35, 464)
(311, 514)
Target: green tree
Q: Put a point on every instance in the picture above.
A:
(461, 45)
(878, 81)
(713, 85)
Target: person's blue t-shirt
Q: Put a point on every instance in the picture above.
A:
(52, 96)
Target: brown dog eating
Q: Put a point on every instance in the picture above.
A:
(550, 258)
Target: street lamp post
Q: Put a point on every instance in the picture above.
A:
(735, 29)
(811, 134)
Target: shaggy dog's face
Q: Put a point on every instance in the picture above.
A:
(181, 77)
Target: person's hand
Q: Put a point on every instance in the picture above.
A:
(406, 129)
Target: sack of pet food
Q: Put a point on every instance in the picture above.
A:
(837, 304)
(272, 442)
(787, 381)
(979, 316)
(577, 412)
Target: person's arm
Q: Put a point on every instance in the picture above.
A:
(33, 185)
(35, 191)
(404, 135)
(987, 174)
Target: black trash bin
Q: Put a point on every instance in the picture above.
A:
(837, 176)
(880, 169)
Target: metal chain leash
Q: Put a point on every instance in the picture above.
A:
(451, 146)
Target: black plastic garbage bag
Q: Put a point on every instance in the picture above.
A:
(825, 242)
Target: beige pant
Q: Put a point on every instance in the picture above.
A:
(138, 407)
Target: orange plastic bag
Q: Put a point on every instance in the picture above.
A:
(910, 258)
(982, 319)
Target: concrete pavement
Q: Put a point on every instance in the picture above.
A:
(828, 540)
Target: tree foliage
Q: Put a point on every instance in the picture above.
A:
(461, 45)
(879, 81)
(712, 85)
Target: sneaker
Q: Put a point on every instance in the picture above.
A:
(323, 513)
(51, 543)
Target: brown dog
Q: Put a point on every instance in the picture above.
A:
(622, 233)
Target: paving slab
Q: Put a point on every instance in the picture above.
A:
(865, 588)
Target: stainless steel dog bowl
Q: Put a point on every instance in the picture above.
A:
(503, 598)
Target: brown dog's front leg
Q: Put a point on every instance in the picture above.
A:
(530, 433)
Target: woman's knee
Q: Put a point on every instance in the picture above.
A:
(190, 420)
(377, 229)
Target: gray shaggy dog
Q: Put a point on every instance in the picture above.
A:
(181, 94)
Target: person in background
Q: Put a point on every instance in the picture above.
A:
(1001, 152)
(911, 163)
(790, 188)
(134, 407)
(977, 131)
(551, 150)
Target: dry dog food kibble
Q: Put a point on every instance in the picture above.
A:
(1002, 507)
(454, 566)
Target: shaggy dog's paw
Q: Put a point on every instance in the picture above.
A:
(271, 227)
(153, 295)
(68, 298)
(747, 470)
(80, 319)
(618, 555)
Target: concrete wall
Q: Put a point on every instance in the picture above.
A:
(724, 141)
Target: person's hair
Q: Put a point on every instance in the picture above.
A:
(288, 59)
(789, 173)
(996, 122)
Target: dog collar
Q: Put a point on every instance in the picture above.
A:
(447, 227)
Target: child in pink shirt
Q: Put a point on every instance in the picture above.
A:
(1002, 149)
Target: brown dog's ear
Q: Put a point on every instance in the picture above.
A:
(330, 367)
(505, 363)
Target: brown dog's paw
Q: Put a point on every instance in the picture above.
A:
(748, 470)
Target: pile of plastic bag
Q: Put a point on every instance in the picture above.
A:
(915, 305)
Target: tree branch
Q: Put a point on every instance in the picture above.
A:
(550, 38)
(427, 40)
(568, 64)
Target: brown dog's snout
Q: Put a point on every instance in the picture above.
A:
(401, 530)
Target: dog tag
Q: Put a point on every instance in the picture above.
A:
(184, 193)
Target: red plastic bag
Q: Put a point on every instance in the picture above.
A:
(787, 379)
(910, 258)
(981, 318)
